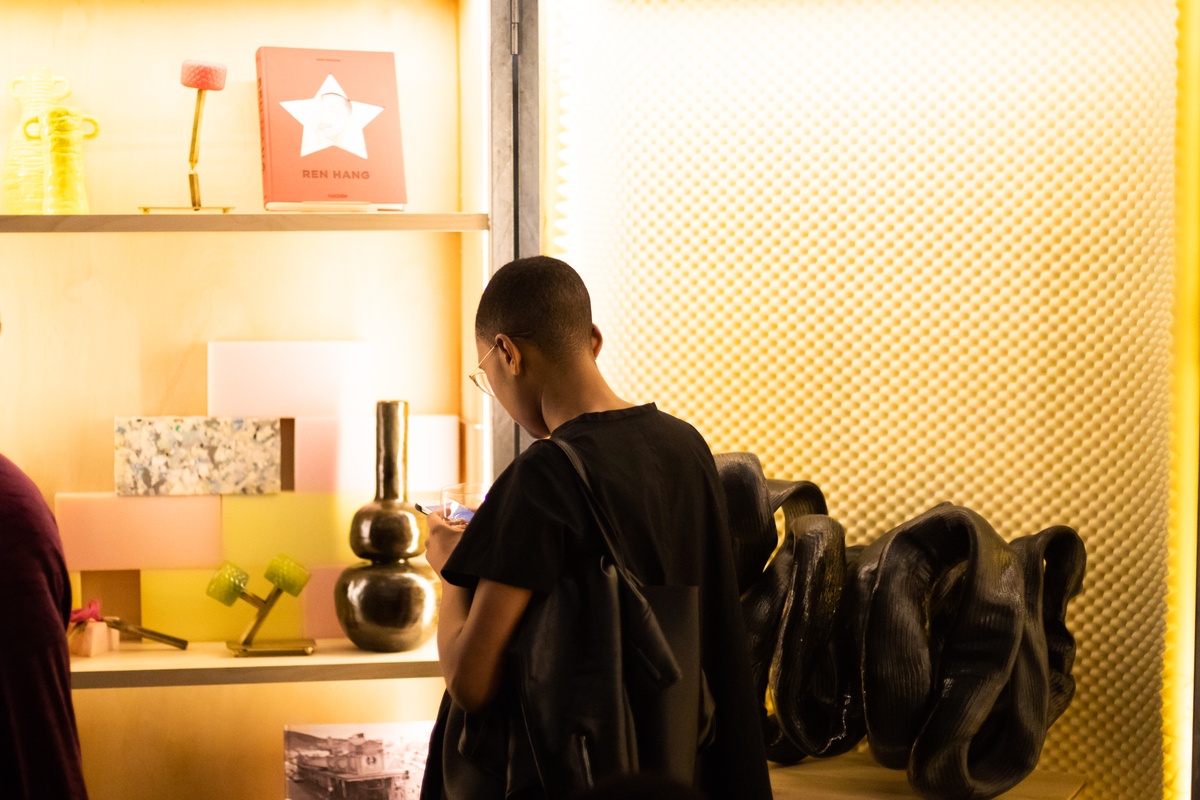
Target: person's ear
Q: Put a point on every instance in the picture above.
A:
(509, 353)
(597, 341)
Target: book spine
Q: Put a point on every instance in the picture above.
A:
(263, 130)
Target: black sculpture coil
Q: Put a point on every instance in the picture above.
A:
(940, 642)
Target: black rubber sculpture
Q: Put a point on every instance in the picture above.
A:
(940, 642)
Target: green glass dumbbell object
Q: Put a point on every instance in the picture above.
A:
(285, 575)
(228, 584)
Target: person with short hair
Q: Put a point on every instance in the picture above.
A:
(39, 743)
(655, 478)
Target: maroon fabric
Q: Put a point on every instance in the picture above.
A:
(39, 744)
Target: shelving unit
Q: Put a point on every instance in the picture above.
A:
(102, 325)
(211, 664)
(453, 222)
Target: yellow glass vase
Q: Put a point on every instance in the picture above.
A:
(61, 129)
(22, 181)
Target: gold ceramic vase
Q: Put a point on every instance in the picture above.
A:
(388, 603)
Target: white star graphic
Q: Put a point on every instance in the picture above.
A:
(331, 119)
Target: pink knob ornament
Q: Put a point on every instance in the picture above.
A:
(207, 75)
(203, 76)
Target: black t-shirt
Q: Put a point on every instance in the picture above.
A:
(655, 477)
(651, 472)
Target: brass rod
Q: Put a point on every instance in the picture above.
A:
(194, 154)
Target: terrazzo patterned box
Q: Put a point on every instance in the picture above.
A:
(196, 455)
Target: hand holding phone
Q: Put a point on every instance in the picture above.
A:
(456, 510)
(452, 511)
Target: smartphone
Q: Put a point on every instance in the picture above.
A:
(458, 511)
(455, 511)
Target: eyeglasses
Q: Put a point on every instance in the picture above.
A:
(480, 378)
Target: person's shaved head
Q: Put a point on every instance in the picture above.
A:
(540, 299)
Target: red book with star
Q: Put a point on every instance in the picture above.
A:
(330, 126)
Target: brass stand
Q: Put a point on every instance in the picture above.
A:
(193, 175)
(245, 646)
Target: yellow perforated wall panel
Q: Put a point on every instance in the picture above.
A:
(912, 251)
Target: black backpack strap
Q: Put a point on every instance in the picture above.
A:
(602, 520)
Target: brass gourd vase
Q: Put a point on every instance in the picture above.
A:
(388, 603)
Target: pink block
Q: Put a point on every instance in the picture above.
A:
(291, 379)
(316, 451)
(320, 615)
(102, 531)
(334, 455)
(337, 455)
(433, 451)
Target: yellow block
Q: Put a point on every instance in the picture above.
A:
(175, 602)
(314, 529)
(76, 588)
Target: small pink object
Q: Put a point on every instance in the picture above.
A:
(89, 612)
(203, 75)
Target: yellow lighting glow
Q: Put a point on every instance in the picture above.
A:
(1179, 666)
(916, 252)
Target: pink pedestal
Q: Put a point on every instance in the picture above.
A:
(334, 455)
(102, 531)
(337, 455)
(320, 615)
(433, 451)
(290, 379)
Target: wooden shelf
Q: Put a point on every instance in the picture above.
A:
(210, 663)
(856, 776)
(240, 223)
